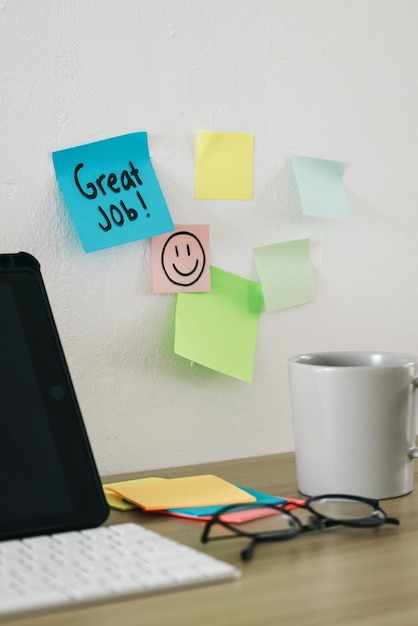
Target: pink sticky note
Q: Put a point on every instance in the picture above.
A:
(181, 260)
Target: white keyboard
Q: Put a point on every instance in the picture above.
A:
(43, 572)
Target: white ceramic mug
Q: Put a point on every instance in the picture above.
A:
(354, 422)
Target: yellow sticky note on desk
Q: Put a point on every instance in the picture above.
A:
(116, 501)
(174, 493)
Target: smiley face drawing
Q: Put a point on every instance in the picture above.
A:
(183, 258)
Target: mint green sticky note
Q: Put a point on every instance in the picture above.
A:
(285, 274)
(218, 329)
(321, 190)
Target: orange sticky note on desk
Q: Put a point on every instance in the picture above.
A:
(116, 501)
(173, 493)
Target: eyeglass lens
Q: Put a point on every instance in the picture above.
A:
(252, 521)
(342, 509)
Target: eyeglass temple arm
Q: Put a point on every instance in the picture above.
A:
(248, 552)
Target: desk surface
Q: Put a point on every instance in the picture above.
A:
(344, 576)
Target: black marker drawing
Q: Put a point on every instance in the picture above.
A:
(183, 258)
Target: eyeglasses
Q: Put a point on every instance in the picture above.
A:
(275, 522)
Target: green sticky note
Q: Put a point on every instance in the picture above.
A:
(218, 329)
(224, 166)
(321, 189)
(285, 274)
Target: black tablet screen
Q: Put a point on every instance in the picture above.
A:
(33, 481)
(49, 480)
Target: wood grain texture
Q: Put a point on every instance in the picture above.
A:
(344, 576)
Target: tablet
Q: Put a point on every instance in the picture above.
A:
(49, 479)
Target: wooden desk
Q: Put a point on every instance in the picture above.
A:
(340, 577)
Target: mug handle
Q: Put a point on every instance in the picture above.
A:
(413, 452)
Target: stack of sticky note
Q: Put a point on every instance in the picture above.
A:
(191, 496)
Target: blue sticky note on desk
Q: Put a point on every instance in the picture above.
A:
(111, 191)
(208, 511)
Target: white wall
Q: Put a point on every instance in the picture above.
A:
(325, 78)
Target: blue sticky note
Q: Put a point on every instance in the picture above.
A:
(111, 191)
(203, 511)
(321, 189)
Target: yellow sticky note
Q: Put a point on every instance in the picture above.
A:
(116, 501)
(190, 491)
(224, 166)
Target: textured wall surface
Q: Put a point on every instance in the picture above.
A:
(325, 78)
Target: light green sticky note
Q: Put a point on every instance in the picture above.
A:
(285, 274)
(224, 166)
(321, 189)
(218, 329)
